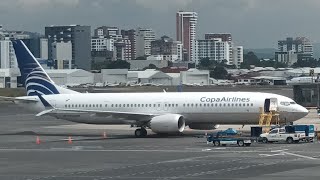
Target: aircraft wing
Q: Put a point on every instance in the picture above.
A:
(115, 114)
(15, 99)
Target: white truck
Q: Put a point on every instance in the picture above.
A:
(280, 135)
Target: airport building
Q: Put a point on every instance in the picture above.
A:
(71, 77)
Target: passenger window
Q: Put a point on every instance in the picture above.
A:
(93, 105)
(236, 104)
(135, 105)
(251, 104)
(124, 105)
(138, 105)
(154, 105)
(116, 105)
(228, 105)
(111, 105)
(220, 105)
(101, 105)
(131, 105)
(204, 105)
(216, 105)
(211, 105)
(65, 106)
(208, 105)
(232, 105)
(200, 105)
(191, 105)
(142, 105)
(248, 104)
(196, 105)
(150, 105)
(119, 105)
(86, 105)
(106, 105)
(240, 105)
(169, 105)
(89, 105)
(188, 105)
(158, 105)
(244, 104)
(83, 105)
(184, 105)
(224, 105)
(176, 105)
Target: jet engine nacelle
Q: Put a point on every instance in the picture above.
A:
(201, 126)
(169, 123)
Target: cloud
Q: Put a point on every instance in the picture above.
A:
(160, 5)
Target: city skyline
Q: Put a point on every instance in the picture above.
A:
(253, 23)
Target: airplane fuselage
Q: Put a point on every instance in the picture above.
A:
(195, 107)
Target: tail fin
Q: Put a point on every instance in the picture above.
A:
(35, 79)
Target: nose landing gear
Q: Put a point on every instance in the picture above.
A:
(142, 132)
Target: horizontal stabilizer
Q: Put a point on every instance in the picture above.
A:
(14, 99)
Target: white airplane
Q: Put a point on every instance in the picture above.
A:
(161, 112)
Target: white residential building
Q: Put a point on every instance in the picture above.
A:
(144, 37)
(186, 33)
(214, 49)
(237, 55)
(102, 43)
(7, 55)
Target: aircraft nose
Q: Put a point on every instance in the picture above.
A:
(303, 111)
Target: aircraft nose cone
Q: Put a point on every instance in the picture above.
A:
(303, 112)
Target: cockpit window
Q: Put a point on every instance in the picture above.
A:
(285, 103)
(293, 103)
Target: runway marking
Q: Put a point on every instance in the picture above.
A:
(302, 156)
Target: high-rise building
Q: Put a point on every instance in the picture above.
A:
(292, 50)
(144, 37)
(214, 49)
(44, 54)
(7, 55)
(237, 55)
(62, 54)
(186, 33)
(102, 44)
(131, 35)
(170, 50)
(80, 38)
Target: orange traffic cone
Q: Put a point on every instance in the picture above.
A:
(69, 140)
(38, 140)
(104, 135)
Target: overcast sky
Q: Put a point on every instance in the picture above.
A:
(253, 23)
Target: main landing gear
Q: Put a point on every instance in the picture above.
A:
(142, 132)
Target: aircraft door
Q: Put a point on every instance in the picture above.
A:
(267, 105)
(270, 105)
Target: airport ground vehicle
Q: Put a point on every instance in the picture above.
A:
(306, 132)
(286, 134)
(228, 137)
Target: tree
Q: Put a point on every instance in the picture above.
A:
(250, 59)
(118, 64)
(151, 66)
(219, 72)
(205, 63)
